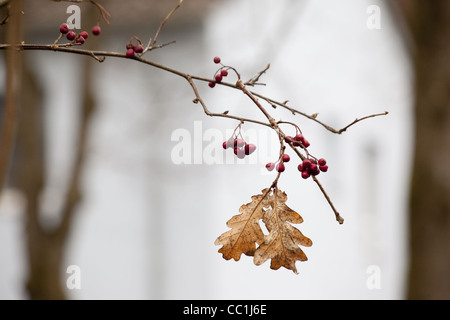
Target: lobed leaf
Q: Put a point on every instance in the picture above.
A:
(245, 230)
(282, 243)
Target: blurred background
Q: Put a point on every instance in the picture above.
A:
(96, 180)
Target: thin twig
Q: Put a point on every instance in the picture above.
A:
(313, 117)
(152, 42)
(338, 216)
(211, 114)
(254, 80)
(361, 119)
(104, 14)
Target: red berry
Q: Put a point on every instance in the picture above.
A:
(64, 28)
(138, 48)
(323, 168)
(314, 170)
(80, 40)
(96, 30)
(300, 167)
(130, 53)
(212, 84)
(322, 162)
(299, 140)
(305, 174)
(224, 72)
(239, 152)
(280, 167)
(306, 143)
(288, 139)
(71, 35)
(218, 77)
(84, 34)
(216, 60)
(285, 157)
(299, 137)
(230, 143)
(249, 148)
(239, 143)
(130, 45)
(306, 164)
(224, 145)
(270, 166)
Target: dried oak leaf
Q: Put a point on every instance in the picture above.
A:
(282, 243)
(245, 230)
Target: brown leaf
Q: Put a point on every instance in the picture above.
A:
(245, 230)
(282, 243)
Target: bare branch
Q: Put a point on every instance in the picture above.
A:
(272, 123)
(313, 117)
(152, 42)
(254, 80)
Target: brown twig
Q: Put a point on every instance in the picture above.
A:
(254, 80)
(104, 14)
(152, 42)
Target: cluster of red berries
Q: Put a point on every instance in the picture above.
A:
(280, 167)
(240, 147)
(297, 141)
(312, 167)
(219, 75)
(80, 38)
(132, 49)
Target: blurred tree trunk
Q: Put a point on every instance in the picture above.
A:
(429, 24)
(45, 245)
